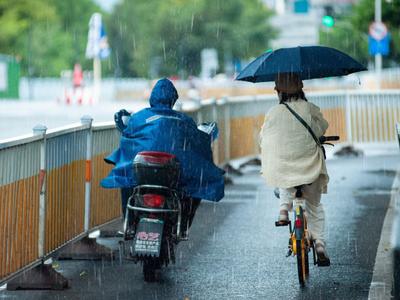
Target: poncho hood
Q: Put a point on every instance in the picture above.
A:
(164, 94)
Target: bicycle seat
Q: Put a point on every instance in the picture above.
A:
(299, 192)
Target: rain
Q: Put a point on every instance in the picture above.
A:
(147, 149)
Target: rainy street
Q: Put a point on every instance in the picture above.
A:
(141, 112)
(235, 252)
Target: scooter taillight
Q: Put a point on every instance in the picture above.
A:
(153, 200)
(155, 157)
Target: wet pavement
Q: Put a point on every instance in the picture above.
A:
(235, 252)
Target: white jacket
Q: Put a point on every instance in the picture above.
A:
(289, 154)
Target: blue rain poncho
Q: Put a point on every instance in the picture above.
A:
(160, 128)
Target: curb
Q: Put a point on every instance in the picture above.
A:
(382, 278)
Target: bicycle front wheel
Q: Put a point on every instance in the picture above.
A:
(302, 261)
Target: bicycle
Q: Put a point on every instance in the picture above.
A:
(300, 243)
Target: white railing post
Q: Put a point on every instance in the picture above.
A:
(385, 117)
(87, 120)
(41, 130)
(392, 120)
(348, 118)
(199, 113)
(215, 119)
(369, 120)
(227, 125)
(256, 132)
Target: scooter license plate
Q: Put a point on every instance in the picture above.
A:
(148, 237)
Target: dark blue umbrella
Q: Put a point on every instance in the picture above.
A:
(309, 62)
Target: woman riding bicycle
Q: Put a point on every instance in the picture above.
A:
(291, 157)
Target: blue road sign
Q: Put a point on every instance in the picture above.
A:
(300, 6)
(378, 46)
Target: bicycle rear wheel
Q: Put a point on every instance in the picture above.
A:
(302, 262)
(306, 263)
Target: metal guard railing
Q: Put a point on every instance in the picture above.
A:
(49, 180)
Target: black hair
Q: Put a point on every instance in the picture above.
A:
(285, 97)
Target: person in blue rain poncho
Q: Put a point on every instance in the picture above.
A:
(160, 128)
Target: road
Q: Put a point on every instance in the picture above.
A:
(19, 117)
(235, 252)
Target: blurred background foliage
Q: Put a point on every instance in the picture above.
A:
(169, 35)
(350, 32)
(165, 38)
(49, 36)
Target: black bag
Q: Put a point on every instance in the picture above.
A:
(304, 123)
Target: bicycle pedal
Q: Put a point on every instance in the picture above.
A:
(289, 253)
(282, 223)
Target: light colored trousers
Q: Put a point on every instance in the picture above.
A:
(314, 211)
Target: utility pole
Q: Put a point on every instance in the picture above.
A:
(378, 57)
(96, 79)
(97, 48)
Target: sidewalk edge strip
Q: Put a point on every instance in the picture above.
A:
(381, 284)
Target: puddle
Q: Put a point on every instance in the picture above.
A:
(391, 173)
(372, 192)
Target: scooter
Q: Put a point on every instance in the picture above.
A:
(157, 212)
(154, 212)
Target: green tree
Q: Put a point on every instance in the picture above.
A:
(49, 51)
(132, 34)
(169, 35)
(343, 36)
(46, 35)
(16, 18)
(350, 34)
(74, 19)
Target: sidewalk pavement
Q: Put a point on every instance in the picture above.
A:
(382, 279)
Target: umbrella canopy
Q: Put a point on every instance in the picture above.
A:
(309, 62)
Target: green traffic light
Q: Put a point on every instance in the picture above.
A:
(328, 21)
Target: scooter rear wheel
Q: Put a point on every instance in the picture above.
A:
(151, 268)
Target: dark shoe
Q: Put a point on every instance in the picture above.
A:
(195, 202)
(322, 257)
(184, 231)
(184, 235)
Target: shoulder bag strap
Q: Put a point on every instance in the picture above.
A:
(304, 124)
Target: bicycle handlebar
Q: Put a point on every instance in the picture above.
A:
(324, 139)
